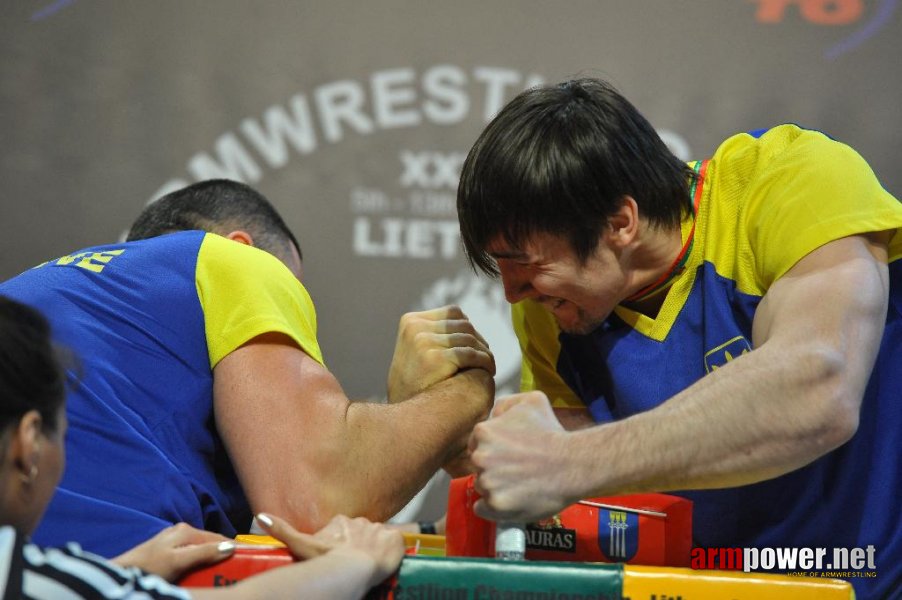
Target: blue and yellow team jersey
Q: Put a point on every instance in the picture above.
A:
(148, 322)
(764, 203)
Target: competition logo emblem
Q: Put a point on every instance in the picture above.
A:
(618, 534)
(726, 352)
(550, 534)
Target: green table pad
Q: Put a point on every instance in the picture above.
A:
(441, 578)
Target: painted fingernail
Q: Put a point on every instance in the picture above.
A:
(265, 519)
(226, 547)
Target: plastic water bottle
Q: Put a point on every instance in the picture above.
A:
(510, 541)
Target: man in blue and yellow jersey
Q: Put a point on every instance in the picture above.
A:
(203, 396)
(729, 330)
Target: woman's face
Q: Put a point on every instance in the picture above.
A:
(33, 465)
(51, 462)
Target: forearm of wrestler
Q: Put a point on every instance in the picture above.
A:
(789, 401)
(303, 451)
(574, 419)
(418, 437)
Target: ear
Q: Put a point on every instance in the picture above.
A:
(25, 446)
(624, 224)
(241, 236)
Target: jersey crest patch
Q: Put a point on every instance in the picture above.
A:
(726, 352)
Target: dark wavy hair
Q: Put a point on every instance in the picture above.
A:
(559, 159)
(218, 206)
(32, 368)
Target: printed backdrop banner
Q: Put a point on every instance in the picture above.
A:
(354, 118)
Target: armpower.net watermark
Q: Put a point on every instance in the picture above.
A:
(842, 563)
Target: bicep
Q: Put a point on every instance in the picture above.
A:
(278, 412)
(833, 302)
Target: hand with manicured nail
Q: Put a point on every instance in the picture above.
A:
(176, 550)
(371, 546)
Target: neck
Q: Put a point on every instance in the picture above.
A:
(668, 249)
(654, 261)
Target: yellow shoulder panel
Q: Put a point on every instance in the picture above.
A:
(794, 190)
(245, 292)
(538, 335)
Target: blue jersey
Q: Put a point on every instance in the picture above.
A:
(148, 321)
(764, 204)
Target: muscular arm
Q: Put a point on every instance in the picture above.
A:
(786, 403)
(303, 451)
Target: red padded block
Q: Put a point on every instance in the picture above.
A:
(581, 533)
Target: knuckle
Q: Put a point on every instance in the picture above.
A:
(465, 326)
(454, 355)
(179, 528)
(486, 485)
(422, 342)
(502, 503)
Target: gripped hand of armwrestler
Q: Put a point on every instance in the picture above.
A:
(475, 394)
(482, 390)
(432, 346)
(460, 465)
(520, 455)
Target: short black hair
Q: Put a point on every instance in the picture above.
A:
(217, 206)
(559, 159)
(32, 371)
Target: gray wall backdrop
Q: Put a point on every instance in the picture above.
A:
(354, 117)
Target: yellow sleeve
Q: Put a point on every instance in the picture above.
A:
(246, 292)
(537, 333)
(809, 190)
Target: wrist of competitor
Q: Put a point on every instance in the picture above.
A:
(427, 527)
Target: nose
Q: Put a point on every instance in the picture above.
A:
(517, 282)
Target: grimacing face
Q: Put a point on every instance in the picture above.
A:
(547, 270)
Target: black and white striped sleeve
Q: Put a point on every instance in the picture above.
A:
(64, 573)
(10, 564)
